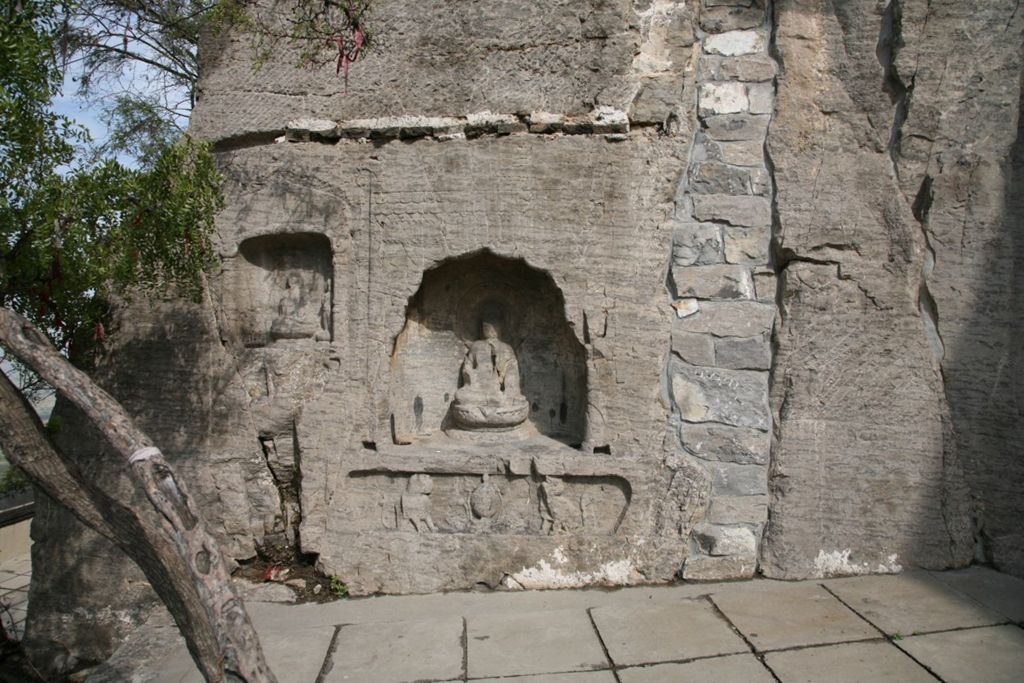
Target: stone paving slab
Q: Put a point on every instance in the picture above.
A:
(580, 677)
(532, 643)
(731, 669)
(553, 637)
(397, 652)
(9, 582)
(874, 661)
(775, 615)
(663, 633)
(911, 603)
(999, 592)
(295, 655)
(416, 607)
(993, 654)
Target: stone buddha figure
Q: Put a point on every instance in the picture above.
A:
(300, 311)
(490, 398)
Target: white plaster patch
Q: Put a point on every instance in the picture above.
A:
(838, 563)
(544, 575)
(732, 43)
(656, 23)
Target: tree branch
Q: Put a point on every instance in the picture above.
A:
(179, 556)
(26, 445)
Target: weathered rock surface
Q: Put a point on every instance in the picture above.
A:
(453, 59)
(700, 343)
(868, 405)
(961, 165)
(85, 594)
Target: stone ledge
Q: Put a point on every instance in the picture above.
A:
(602, 121)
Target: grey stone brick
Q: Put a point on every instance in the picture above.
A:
(723, 443)
(751, 212)
(734, 397)
(713, 282)
(746, 353)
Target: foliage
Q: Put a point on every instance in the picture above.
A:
(338, 587)
(138, 59)
(75, 229)
(13, 480)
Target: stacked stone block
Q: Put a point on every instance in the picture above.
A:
(724, 289)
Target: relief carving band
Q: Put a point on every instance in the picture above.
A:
(491, 502)
(415, 502)
(559, 512)
(485, 501)
(302, 311)
(490, 398)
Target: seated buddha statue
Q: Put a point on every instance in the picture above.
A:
(490, 398)
(299, 315)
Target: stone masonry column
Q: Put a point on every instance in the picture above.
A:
(724, 289)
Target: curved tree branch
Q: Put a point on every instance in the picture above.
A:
(170, 540)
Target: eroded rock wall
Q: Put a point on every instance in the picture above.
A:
(165, 364)
(895, 379)
(593, 169)
(759, 266)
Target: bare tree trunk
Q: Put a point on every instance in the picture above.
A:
(169, 541)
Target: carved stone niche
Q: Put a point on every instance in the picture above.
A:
(283, 288)
(486, 348)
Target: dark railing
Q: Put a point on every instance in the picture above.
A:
(16, 507)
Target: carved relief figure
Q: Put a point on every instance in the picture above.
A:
(415, 502)
(559, 513)
(490, 398)
(485, 501)
(301, 311)
(686, 501)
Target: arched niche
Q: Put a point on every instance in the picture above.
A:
(444, 317)
(284, 288)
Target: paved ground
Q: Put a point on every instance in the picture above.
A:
(962, 626)
(14, 577)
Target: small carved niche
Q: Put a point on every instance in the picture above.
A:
(285, 288)
(463, 305)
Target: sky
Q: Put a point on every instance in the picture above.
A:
(74, 108)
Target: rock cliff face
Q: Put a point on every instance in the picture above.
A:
(749, 276)
(896, 377)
